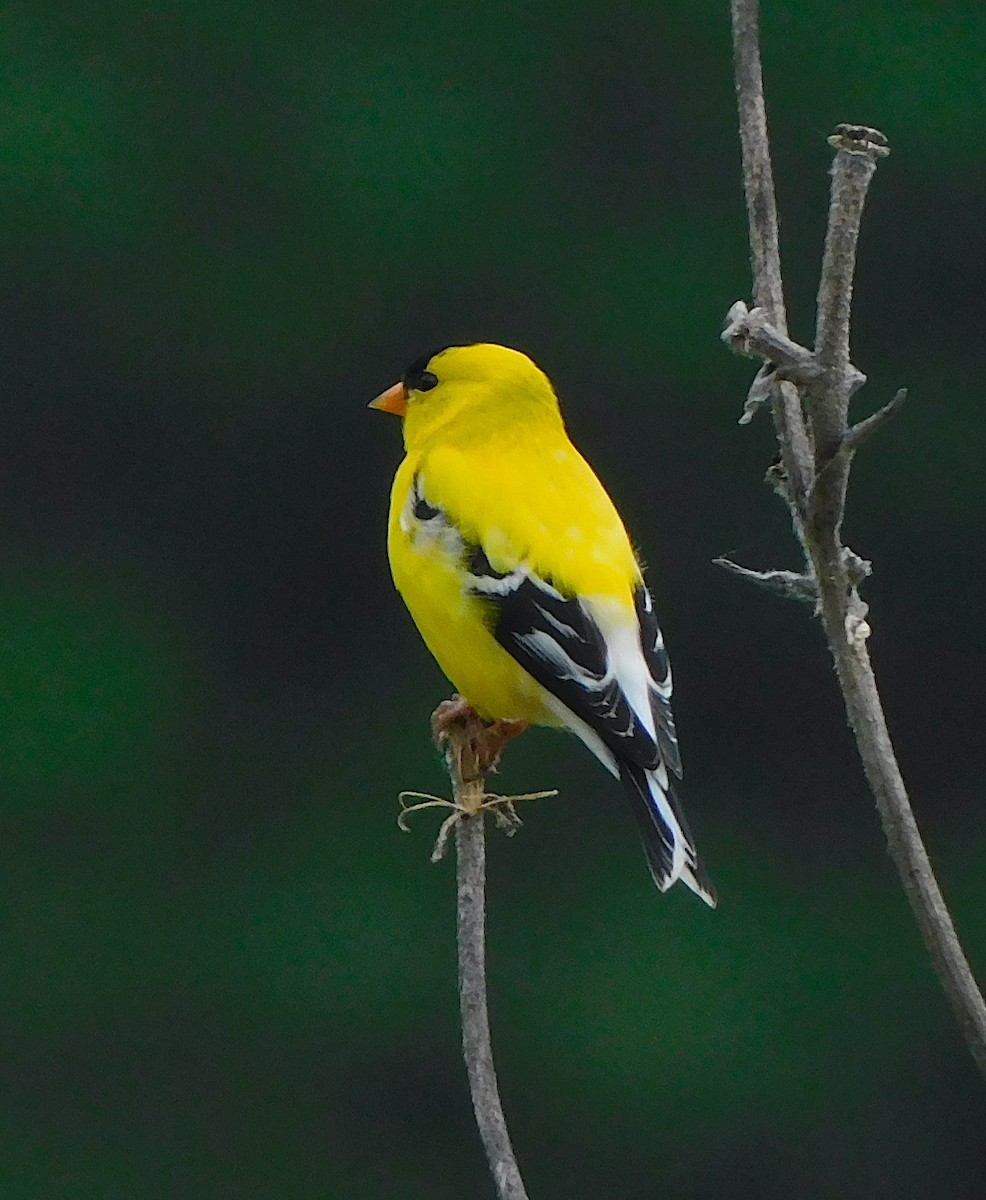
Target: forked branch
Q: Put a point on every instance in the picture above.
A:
(822, 382)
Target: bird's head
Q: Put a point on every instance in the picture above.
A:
(465, 389)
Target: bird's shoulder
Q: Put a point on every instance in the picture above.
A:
(534, 501)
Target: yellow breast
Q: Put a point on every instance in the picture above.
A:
(528, 498)
(454, 624)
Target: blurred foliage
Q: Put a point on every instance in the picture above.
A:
(224, 971)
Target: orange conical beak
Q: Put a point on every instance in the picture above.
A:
(393, 400)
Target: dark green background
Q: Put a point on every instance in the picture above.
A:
(223, 972)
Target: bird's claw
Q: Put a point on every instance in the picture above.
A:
(458, 710)
(482, 742)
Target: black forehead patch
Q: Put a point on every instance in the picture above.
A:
(412, 376)
(419, 366)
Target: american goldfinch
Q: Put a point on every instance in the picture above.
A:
(520, 576)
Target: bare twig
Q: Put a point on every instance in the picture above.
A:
(476, 1046)
(758, 183)
(863, 430)
(789, 584)
(758, 174)
(471, 749)
(827, 400)
(747, 331)
(817, 509)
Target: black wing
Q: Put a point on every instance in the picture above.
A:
(556, 640)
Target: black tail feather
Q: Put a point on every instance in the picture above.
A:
(655, 837)
(658, 839)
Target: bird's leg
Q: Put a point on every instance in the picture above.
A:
(472, 750)
(482, 743)
(457, 711)
(459, 732)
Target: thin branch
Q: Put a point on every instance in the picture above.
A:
(790, 584)
(748, 331)
(818, 510)
(862, 431)
(858, 151)
(471, 749)
(826, 399)
(836, 470)
(758, 175)
(477, 1049)
(758, 184)
(904, 841)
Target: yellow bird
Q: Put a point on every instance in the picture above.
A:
(520, 576)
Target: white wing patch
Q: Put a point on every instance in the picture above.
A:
(423, 522)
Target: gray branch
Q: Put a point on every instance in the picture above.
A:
(790, 584)
(471, 750)
(858, 149)
(863, 430)
(817, 496)
(758, 184)
(477, 1048)
(748, 331)
(758, 174)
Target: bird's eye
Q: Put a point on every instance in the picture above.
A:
(417, 378)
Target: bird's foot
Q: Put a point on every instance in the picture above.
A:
(501, 807)
(457, 711)
(455, 725)
(494, 741)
